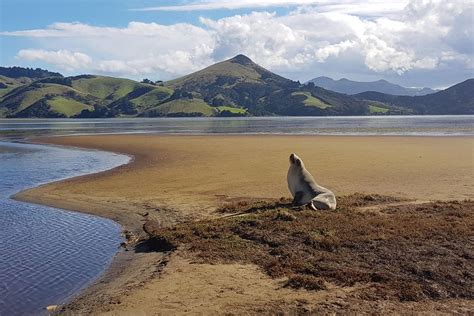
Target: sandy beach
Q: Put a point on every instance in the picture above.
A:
(176, 179)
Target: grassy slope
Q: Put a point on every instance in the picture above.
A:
(312, 101)
(241, 83)
(375, 109)
(24, 99)
(184, 106)
(11, 84)
(152, 98)
(66, 106)
(105, 87)
(232, 109)
(7, 90)
(209, 74)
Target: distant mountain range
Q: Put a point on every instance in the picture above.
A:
(458, 99)
(235, 87)
(354, 87)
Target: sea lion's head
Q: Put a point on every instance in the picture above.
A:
(295, 160)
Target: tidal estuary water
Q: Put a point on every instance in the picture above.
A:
(441, 125)
(47, 255)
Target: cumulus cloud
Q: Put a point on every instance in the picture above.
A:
(64, 59)
(424, 36)
(140, 48)
(417, 40)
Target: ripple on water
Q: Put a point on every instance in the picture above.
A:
(46, 254)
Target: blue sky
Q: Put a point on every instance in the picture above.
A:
(413, 43)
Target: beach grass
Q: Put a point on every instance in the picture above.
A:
(401, 252)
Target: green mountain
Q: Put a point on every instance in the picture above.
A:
(239, 83)
(458, 99)
(80, 96)
(14, 77)
(235, 87)
(40, 99)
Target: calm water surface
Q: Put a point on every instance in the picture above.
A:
(362, 125)
(47, 254)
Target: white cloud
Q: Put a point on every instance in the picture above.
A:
(425, 36)
(229, 5)
(140, 48)
(417, 40)
(64, 59)
(365, 7)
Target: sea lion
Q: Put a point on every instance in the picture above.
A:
(305, 190)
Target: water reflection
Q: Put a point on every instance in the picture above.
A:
(389, 125)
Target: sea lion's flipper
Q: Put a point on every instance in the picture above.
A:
(298, 197)
(318, 205)
(324, 201)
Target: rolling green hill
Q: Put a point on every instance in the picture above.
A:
(68, 107)
(107, 88)
(8, 84)
(240, 83)
(311, 101)
(234, 87)
(81, 96)
(152, 98)
(35, 98)
(227, 73)
(181, 107)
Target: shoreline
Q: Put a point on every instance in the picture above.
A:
(22, 197)
(111, 162)
(143, 265)
(123, 258)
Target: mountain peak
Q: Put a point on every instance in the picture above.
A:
(241, 59)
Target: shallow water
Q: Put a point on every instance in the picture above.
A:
(47, 254)
(443, 125)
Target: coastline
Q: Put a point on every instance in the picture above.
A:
(123, 261)
(163, 157)
(59, 233)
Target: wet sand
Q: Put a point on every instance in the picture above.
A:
(182, 178)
